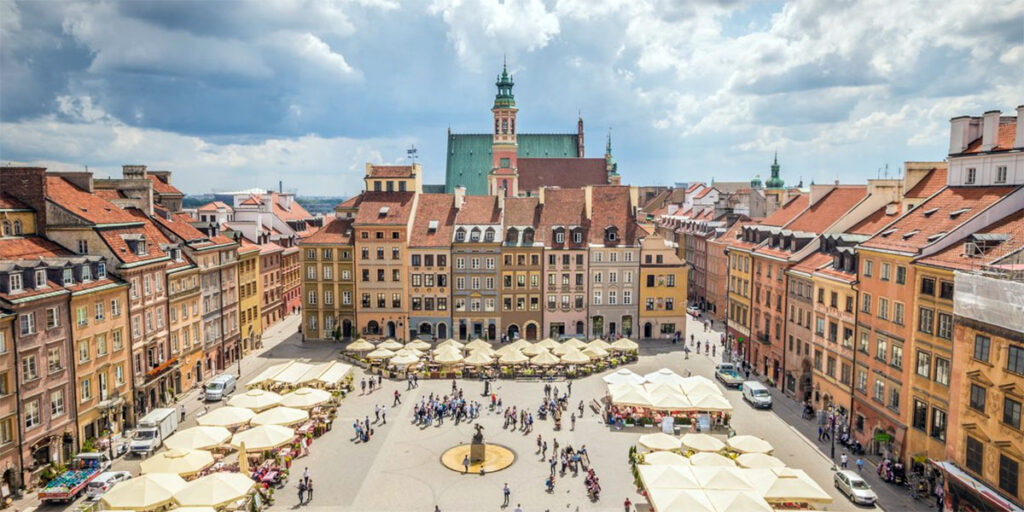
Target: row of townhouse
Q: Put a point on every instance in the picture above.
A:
(406, 264)
(851, 298)
(112, 302)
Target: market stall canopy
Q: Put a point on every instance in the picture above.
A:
(574, 356)
(179, 462)
(759, 460)
(314, 371)
(360, 345)
(268, 374)
(478, 344)
(624, 344)
(665, 459)
(381, 353)
(333, 375)
(680, 500)
(595, 352)
(292, 374)
(215, 490)
(667, 477)
(448, 355)
(664, 376)
(796, 489)
(513, 357)
(545, 358)
(701, 388)
(710, 402)
(626, 394)
(669, 399)
(280, 416)
(390, 344)
(534, 350)
(749, 444)
(695, 383)
(479, 357)
(711, 459)
(263, 437)
(723, 478)
(404, 359)
(198, 438)
(599, 343)
(702, 443)
(418, 345)
(226, 416)
(547, 343)
(659, 442)
(146, 492)
(737, 501)
(255, 399)
(450, 342)
(623, 375)
(305, 398)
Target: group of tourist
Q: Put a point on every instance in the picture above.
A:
(433, 409)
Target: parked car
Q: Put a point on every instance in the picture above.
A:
(756, 394)
(220, 387)
(728, 374)
(854, 487)
(694, 311)
(101, 484)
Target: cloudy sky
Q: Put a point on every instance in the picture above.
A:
(229, 94)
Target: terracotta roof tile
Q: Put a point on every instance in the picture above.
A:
(929, 184)
(336, 232)
(163, 188)
(562, 207)
(561, 172)
(830, 272)
(911, 231)
(213, 206)
(788, 212)
(391, 171)
(874, 222)
(813, 262)
(479, 210)
(611, 206)
(80, 203)
(270, 247)
(438, 209)
(108, 193)
(398, 204)
(252, 200)
(1004, 139)
(822, 214)
(116, 239)
(30, 248)
(693, 187)
(246, 247)
(705, 191)
(294, 213)
(352, 202)
(8, 202)
(954, 256)
(522, 211)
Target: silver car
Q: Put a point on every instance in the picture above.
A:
(854, 487)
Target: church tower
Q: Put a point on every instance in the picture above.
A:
(504, 177)
(611, 167)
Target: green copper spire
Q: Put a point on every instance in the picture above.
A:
(609, 161)
(756, 182)
(504, 98)
(775, 181)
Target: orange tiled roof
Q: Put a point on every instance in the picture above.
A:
(929, 184)
(830, 272)
(246, 247)
(30, 248)
(163, 188)
(911, 231)
(437, 208)
(108, 193)
(693, 187)
(398, 204)
(115, 239)
(788, 212)
(1004, 139)
(611, 207)
(872, 223)
(352, 202)
(535, 173)
(954, 257)
(811, 263)
(213, 206)
(80, 203)
(338, 231)
(270, 247)
(479, 210)
(562, 207)
(252, 200)
(703, 192)
(294, 213)
(822, 214)
(522, 211)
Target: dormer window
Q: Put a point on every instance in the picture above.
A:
(40, 278)
(69, 277)
(101, 270)
(489, 235)
(86, 272)
(611, 235)
(14, 282)
(559, 237)
(971, 176)
(460, 235)
(527, 236)
(512, 235)
(577, 237)
(140, 248)
(383, 212)
(17, 227)
(432, 227)
(474, 236)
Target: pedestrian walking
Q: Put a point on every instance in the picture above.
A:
(362, 385)
(398, 399)
(570, 388)
(376, 418)
(507, 493)
(627, 504)
(544, 450)
(305, 474)
(383, 415)
(821, 432)
(380, 379)
(182, 413)
(842, 460)
(465, 463)
(860, 465)
(572, 421)
(519, 507)
(309, 490)
(302, 491)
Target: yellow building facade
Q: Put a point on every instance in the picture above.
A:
(249, 294)
(663, 282)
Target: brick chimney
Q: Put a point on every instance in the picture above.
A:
(990, 130)
(28, 185)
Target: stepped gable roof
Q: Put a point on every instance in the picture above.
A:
(522, 211)
(1004, 138)
(213, 206)
(162, 187)
(116, 239)
(9, 202)
(294, 213)
(562, 207)
(80, 203)
(391, 171)
(433, 221)
(999, 239)
(479, 210)
(813, 262)
(535, 173)
(822, 214)
(788, 212)
(336, 232)
(385, 208)
(929, 184)
(874, 222)
(940, 214)
(611, 206)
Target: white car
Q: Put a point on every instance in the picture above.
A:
(102, 483)
(694, 311)
(854, 487)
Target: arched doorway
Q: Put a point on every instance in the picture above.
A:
(648, 330)
(462, 331)
(372, 327)
(492, 331)
(346, 329)
(391, 329)
(531, 331)
(442, 330)
(580, 328)
(199, 372)
(425, 329)
(512, 331)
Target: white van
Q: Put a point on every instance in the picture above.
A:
(758, 395)
(220, 387)
(102, 483)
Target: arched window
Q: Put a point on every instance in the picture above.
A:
(7, 228)
(17, 227)
(512, 235)
(489, 235)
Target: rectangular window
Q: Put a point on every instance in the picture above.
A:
(1015, 359)
(1001, 178)
(897, 356)
(977, 398)
(52, 318)
(974, 454)
(981, 347)
(32, 414)
(57, 403)
(865, 303)
(945, 326)
(883, 308)
(886, 272)
(1009, 473)
(946, 290)
(901, 275)
(897, 313)
(928, 286)
(938, 428)
(924, 364)
(879, 392)
(971, 175)
(920, 415)
(27, 321)
(942, 371)
(926, 320)
(1011, 413)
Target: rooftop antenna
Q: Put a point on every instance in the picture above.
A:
(412, 153)
(886, 171)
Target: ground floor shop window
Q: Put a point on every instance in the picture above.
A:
(668, 328)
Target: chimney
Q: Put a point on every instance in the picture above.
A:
(28, 185)
(82, 180)
(460, 197)
(540, 195)
(133, 172)
(280, 186)
(588, 198)
(962, 131)
(1018, 141)
(990, 130)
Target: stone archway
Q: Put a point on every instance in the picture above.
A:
(512, 331)
(442, 330)
(531, 331)
(425, 329)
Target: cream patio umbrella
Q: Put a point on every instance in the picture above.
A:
(575, 343)
(381, 353)
(623, 375)
(450, 342)
(595, 352)
(710, 402)
(667, 477)
(749, 444)
(506, 349)
(737, 501)
(711, 459)
(520, 344)
(280, 416)
(534, 350)
(759, 461)
(390, 344)
(659, 441)
(146, 492)
(198, 438)
(680, 500)
(418, 345)
(665, 459)
(575, 357)
(513, 357)
(415, 352)
(562, 348)
(263, 437)
(667, 398)
(547, 343)
(255, 399)
(215, 490)
(448, 355)
(664, 376)
(226, 416)
(479, 357)
(478, 344)
(359, 345)
(599, 343)
(624, 345)
(702, 443)
(180, 462)
(724, 478)
(404, 359)
(796, 489)
(545, 358)
(305, 398)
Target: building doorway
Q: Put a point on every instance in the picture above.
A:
(513, 332)
(372, 327)
(462, 331)
(648, 330)
(531, 331)
(391, 330)
(442, 330)
(346, 329)
(627, 325)
(580, 328)
(492, 332)
(597, 326)
(556, 330)
(425, 329)
(611, 328)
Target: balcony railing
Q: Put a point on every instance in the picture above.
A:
(763, 338)
(161, 368)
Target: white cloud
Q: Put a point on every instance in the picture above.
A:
(316, 53)
(478, 28)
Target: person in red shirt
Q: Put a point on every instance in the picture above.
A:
(627, 504)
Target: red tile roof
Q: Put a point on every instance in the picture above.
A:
(161, 187)
(213, 206)
(911, 231)
(352, 202)
(391, 171)
(270, 247)
(398, 204)
(830, 272)
(522, 211)
(252, 200)
(610, 206)
(181, 225)
(80, 203)
(562, 207)
(693, 187)
(822, 214)
(561, 172)
(439, 208)
(30, 248)
(874, 222)
(294, 213)
(8, 202)
(788, 212)
(811, 263)
(115, 239)
(955, 258)
(929, 184)
(703, 192)
(338, 231)
(1004, 139)
(246, 247)
(108, 193)
(479, 210)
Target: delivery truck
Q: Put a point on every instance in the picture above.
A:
(152, 430)
(69, 484)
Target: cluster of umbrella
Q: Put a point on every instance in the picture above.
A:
(547, 352)
(154, 491)
(750, 483)
(293, 374)
(665, 390)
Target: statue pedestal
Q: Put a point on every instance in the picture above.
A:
(476, 450)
